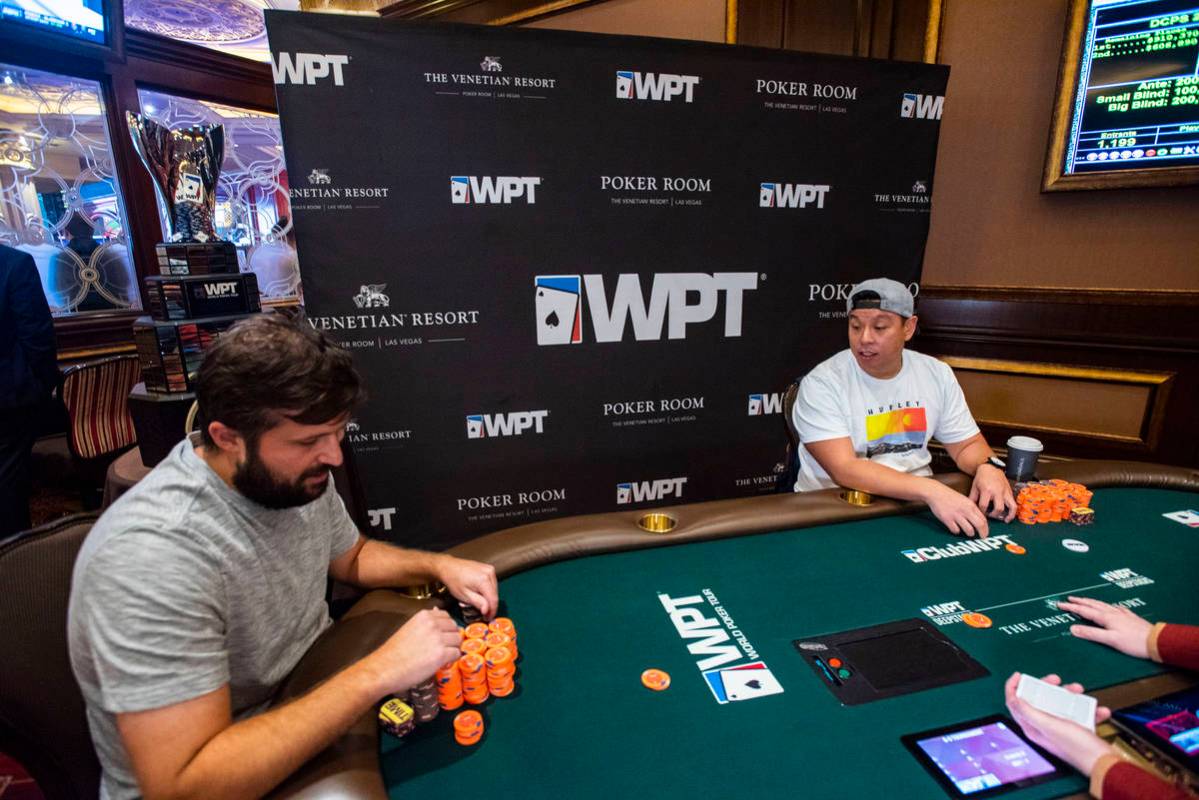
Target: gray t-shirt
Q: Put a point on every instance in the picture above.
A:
(184, 585)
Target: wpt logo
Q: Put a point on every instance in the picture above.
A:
(227, 289)
(921, 106)
(644, 491)
(466, 189)
(655, 86)
(514, 423)
(308, 68)
(558, 302)
(381, 517)
(791, 195)
(762, 404)
(371, 296)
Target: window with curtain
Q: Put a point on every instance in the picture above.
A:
(60, 200)
(252, 206)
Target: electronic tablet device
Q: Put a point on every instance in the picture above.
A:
(983, 757)
(1169, 726)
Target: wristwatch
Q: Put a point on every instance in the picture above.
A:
(997, 463)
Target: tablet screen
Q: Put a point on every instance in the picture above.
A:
(984, 757)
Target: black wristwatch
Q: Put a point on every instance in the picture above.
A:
(997, 463)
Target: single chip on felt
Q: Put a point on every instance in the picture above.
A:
(976, 620)
(655, 679)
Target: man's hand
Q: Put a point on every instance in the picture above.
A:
(957, 512)
(471, 582)
(424, 644)
(992, 493)
(1070, 742)
(1119, 627)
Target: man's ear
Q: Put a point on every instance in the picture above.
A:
(227, 440)
(909, 328)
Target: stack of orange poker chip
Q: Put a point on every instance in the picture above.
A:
(478, 646)
(474, 678)
(449, 687)
(1050, 501)
(476, 630)
(468, 728)
(501, 671)
(504, 625)
(502, 640)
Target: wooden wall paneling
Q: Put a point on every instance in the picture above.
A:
(760, 22)
(1099, 330)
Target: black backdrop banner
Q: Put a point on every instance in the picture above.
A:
(579, 271)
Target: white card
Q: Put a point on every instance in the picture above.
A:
(746, 684)
(1078, 708)
(1190, 517)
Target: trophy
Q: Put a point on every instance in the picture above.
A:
(185, 164)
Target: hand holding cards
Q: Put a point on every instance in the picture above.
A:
(1077, 708)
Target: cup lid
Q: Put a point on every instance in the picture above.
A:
(1025, 443)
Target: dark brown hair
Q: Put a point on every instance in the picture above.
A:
(266, 367)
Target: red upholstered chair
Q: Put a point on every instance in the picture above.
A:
(99, 428)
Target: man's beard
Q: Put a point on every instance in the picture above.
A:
(255, 481)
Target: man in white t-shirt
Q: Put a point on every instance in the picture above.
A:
(865, 417)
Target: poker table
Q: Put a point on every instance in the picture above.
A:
(597, 600)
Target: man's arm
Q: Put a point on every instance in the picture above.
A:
(194, 749)
(990, 490)
(955, 511)
(34, 326)
(372, 564)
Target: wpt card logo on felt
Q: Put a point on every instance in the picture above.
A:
(746, 682)
(1189, 517)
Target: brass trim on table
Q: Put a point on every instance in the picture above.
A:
(656, 522)
(1042, 369)
(545, 9)
(856, 497)
(91, 352)
(422, 591)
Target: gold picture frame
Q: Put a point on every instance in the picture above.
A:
(1054, 178)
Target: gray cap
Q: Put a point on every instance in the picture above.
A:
(884, 294)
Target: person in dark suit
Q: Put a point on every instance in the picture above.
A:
(28, 375)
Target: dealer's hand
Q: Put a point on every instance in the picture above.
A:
(957, 512)
(992, 493)
(471, 582)
(1067, 740)
(1118, 627)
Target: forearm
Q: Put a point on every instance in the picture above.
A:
(885, 481)
(251, 757)
(380, 565)
(972, 455)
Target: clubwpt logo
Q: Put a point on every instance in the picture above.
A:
(763, 404)
(308, 68)
(660, 86)
(371, 295)
(467, 189)
(514, 423)
(646, 491)
(775, 194)
(921, 106)
(728, 661)
(558, 301)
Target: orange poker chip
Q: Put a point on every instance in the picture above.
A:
(976, 620)
(468, 721)
(503, 625)
(1015, 548)
(474, 646)
(476, 630)
(655, 679)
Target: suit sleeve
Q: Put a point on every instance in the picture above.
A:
(1116, 779)
(1177, 645)
(34, 327)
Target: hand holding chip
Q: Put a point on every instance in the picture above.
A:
(957, 512)
(1115, 626)
(1069, 741)
(992, 493)
(472, 582)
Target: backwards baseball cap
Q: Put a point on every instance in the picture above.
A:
(883, 294)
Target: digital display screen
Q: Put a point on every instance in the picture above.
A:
(986, 757)
(83, 19)
(1172, 720)
(904, 658)
(1137, 104)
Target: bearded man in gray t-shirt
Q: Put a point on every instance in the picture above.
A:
(198, 591)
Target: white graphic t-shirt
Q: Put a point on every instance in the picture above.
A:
(888, 421)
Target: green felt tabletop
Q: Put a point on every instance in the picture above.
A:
(581, 725)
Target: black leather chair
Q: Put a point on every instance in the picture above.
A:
(42, 718)
(786, 481)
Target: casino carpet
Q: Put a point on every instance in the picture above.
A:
(15, 783)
